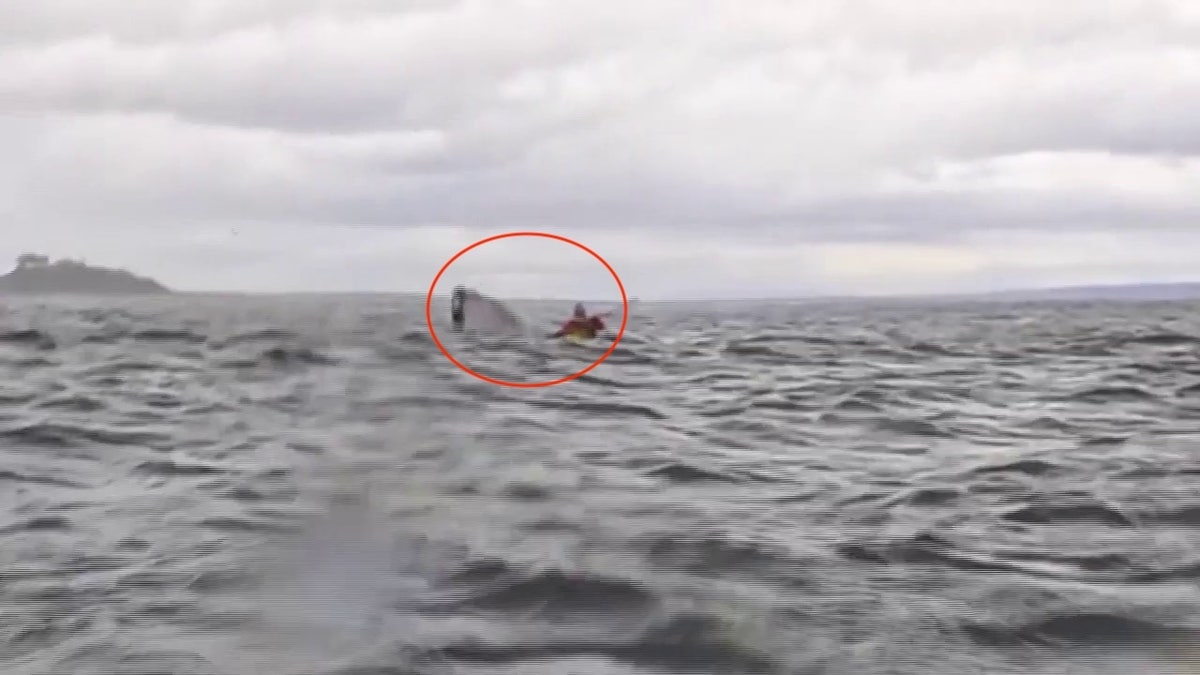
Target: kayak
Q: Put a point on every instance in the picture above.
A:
(576, 339)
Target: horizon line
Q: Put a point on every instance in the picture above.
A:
(1101, 287)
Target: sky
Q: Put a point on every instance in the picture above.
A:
(705, 149)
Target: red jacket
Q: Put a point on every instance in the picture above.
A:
(589, 326)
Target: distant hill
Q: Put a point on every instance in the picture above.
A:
(35, 274)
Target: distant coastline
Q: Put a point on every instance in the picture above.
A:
(1149, 292)
(1143, 292)
(37, 274)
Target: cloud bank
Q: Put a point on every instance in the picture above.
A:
(704, 148)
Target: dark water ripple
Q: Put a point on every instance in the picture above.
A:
(304, 485)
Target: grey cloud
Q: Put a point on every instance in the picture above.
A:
(938, 216)
(152, 22)
(332, 71)
(346, 180)
(769, 120)
(459, 74)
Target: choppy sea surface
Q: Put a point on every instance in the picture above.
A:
(231, 485)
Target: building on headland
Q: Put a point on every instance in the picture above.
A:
(32, 261)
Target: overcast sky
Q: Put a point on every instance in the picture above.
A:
(757, 147)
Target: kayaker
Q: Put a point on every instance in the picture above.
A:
(580, 324)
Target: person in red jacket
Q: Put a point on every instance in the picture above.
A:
(581, 324)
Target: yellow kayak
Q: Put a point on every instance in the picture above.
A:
(576, 339)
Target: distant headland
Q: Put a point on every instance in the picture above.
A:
(36, 274)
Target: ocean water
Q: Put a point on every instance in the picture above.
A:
(234, 485)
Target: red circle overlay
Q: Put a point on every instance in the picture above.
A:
(525, 385)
